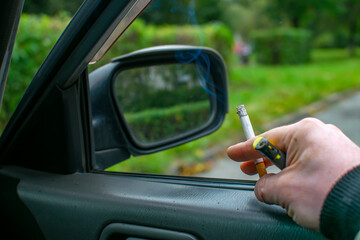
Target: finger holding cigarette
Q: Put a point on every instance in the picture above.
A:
(245, 153)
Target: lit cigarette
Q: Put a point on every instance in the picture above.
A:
(249, 133)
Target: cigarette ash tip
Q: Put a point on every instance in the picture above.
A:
(241, 111)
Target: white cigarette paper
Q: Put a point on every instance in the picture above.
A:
(246, 124)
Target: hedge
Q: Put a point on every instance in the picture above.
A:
(282, 46)
(37, 35)
(141, 35)
(161, 98)
(158, 124)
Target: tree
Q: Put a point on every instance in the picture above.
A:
(245, 16)
(298, 12)
(342, 21)
(350, 11)
(51, 7)
(183, 12)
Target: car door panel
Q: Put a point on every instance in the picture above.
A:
(16, 221)
(63, 198)
(82, 205)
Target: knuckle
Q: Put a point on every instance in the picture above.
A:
(260, 189)
(264, 188)
(310, 122)
(332, 126)
(308, 129)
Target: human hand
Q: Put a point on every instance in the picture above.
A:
(317, 156)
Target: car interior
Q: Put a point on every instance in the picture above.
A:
(115, 141)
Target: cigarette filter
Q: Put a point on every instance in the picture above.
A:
(269, 151)
(249, 133)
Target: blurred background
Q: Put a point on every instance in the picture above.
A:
(286, 59)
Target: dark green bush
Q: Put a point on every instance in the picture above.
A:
(158, 124)
(334, 39)
(161, 99)
(282, 46)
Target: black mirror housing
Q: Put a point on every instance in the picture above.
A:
(114, 137)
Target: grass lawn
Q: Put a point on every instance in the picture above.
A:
(268, 92)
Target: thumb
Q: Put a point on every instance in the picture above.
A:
(267, 189)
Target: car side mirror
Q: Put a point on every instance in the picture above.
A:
(154, 99)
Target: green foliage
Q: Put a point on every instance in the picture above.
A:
(298, 12)
(160, 123)
(51, 6)
(324, 40)
(36, 36)
(338, 27)
(273, 91)
(219, 37)
(282, 46)
(245, 16)
(338, 39)
(183, 12)
(161, 98)
(141, 35)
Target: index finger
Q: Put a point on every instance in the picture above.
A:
(244, 151)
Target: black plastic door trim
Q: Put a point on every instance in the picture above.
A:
(126, 231)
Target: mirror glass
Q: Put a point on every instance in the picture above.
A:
(162, 101)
